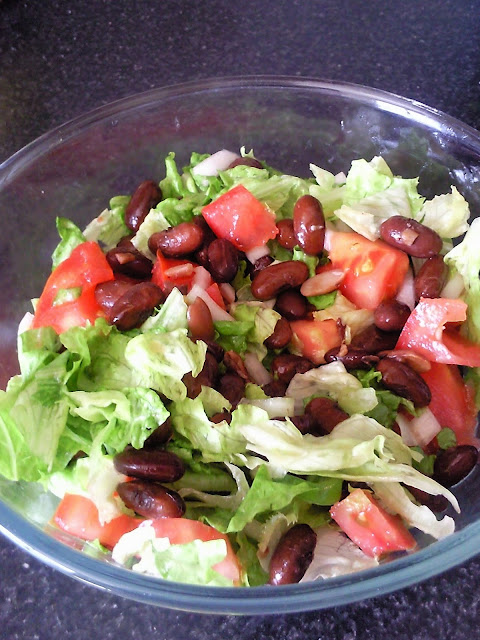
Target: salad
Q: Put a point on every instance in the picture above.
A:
(236, 377)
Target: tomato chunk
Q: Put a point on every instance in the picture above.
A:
(452, 401)
(372, 528)
(313, 338)
(216, 295)
(374, 271)
(240, 218)
(78, 516)
(168, 273)
(83, 270)
(425, 333)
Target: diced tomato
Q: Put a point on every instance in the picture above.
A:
(369, 526)
(167, 273)
(183, 530)
(78, 516)
(313, 338)
(216, 295)
(374, 271)
(240, 218)
(425, 333)
(83, 269)
(452, 401)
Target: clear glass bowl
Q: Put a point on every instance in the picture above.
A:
(289, 122)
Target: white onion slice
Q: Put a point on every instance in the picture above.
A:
(256, 370)
(215, 163)
(227, 291)
(257, 252)
(406, 293)
(202, 278)
(217, 312)
(321, 283)
(420, 430)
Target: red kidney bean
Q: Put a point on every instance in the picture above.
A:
(151, 500)
(309, 225)
(232, 387)
(411, 236)
(107, 293)
(234, 363)
(135, 305)
(160, 436)
(246, 162)
(276, 278)
(214, 349)
(207, 377)
(200, 323)
(222, 260)
(325, 414)
(178, 241)
(293, 555)
(351, 357)
(304, 423)
(391, 315)
(372, 340)
(291, 305)
(130, 262)
(286, 365)
(437, 503)
(275, 389)
(160, 466)
(286, 235)
(219, 417)
(418, 363)
(430, 278)
(261, 263)
(404, 381)
(126, 241)
(454, 464)
(281, 336)
(145, 197)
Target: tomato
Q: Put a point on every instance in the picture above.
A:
(374, 271)
(372, 528)
(183, 530)
(425, 333)
(83, 269)
(216, 295)
(177, 277)
(452, 401)
(313, 338)
(240, 218)
(78, 516)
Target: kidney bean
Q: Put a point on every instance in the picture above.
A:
(232, 387)
(325, 415)
(246, 162)
(222, 260)
(234, 363)
(281, 336)
(309, 225)
(135, 305)
(286, 235)
(404, 381)
(286, 365)
(430, 278)
(391, 315)
(159, 436)
(129, 261)
(200, 323)
(411, 236)
(293, 555)
(291, 305)
(107, 293)
(416, 362)
(261, 263)
(126, 241)
(304, 423)
(219, 417)
(178, 241)
(454, 464)
(207, 377)
(161, 466)
(151, 500)
(145, 197)
(372, 340)
(214, 349)
(276, 278)
(351, 357)
(437, 503)
(275, 389)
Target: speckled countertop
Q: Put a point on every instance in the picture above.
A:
(60, 59)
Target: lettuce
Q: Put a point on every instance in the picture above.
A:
(109, 227)
(71, 237)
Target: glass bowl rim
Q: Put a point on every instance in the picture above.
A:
(385, 578)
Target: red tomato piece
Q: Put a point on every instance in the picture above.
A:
(78, 516)
(369, 526)
(425, 333)
(313, 338)
(183, 530)
(216, 295)
(452, 401)
(240, 218)
(84, 269)
(168, 273)
(374, 271)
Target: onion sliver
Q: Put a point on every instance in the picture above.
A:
(256, 370)
(215, 163)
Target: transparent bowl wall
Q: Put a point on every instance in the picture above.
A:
(289, 122)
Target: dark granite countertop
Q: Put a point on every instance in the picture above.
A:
(59, 59)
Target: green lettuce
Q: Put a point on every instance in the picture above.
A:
(109, 227)
(71, 237)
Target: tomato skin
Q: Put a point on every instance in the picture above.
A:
(452, 401)
(425, 333)
(165, 281)
(374, 271)
(369, 526)
(240, 218)
(78, 516)
(183, 530)
(216, 295)
(313, 338)
(84, 268)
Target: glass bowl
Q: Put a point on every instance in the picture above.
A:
(289, 122)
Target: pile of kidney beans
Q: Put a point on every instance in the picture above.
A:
(131, 297)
